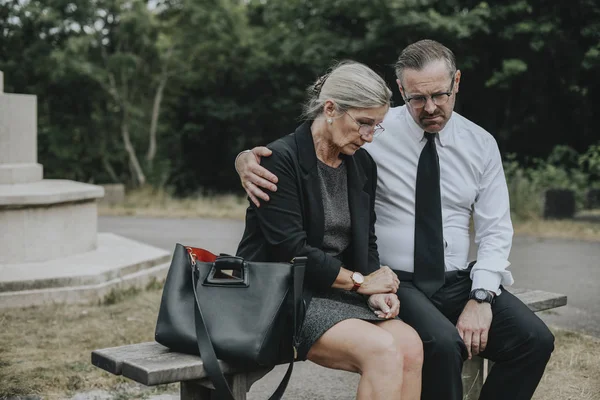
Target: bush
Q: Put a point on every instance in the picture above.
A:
(563, 169)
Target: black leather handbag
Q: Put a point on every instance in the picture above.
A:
(223, 307)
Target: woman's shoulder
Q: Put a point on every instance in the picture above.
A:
(284, 157)
(284, 146)
(364, 159)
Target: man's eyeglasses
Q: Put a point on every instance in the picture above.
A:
(439, 99)
(366, 129)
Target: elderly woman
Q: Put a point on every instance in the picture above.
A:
(324, 210)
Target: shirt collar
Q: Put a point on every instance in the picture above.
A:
(445, 136)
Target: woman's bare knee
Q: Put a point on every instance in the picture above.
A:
(344, 345)
(356, 346)
(408, 342)
(412, 348)
(380, 353)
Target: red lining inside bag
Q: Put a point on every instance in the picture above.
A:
(201, 254)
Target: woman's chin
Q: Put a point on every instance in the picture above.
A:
(350, 149)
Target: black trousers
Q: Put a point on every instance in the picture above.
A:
(519, 343)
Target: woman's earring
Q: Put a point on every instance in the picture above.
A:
(330, 121)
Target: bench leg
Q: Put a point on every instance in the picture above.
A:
(472, 378)
(193, 391)
(475, 372)
(239, 386)
(204, 389)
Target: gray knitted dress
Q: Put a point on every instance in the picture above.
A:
(326, 310)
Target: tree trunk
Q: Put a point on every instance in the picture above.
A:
(137, 169)
(109, 169)
(154, 121)
(156, 109)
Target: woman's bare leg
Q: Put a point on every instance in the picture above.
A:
(410, 346)
(358, 346)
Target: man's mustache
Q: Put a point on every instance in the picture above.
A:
(427, 115)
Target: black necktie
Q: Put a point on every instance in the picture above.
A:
(429, 240)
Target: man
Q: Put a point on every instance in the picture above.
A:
(437, 170)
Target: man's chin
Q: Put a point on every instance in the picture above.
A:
(432, 125)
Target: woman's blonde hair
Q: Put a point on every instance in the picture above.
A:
(349, 84)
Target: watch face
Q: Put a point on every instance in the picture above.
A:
(358, 278)
(480, 295)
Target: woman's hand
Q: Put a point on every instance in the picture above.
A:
(384, 305)
(384, 280)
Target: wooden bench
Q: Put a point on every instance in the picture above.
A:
(153, 364)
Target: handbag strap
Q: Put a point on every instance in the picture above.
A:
(207, 351)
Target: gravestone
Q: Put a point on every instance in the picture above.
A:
(49, 246)
(559, 204)
(593, 199)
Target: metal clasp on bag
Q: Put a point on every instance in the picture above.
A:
(192, 256)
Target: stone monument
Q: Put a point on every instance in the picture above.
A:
(50, 250)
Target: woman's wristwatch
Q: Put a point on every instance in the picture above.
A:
(358, 279)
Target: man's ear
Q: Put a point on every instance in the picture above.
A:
(457, 80)
(400, 88)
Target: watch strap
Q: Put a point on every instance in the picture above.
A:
(489, 298)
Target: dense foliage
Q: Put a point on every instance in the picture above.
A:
(166, 92)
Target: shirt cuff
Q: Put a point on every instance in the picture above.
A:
(487, 280)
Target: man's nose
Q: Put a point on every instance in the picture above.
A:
(430, 105)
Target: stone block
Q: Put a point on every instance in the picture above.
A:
(114, 194)
(117, 263)
(18, 129)
(46, 192)
(47, 232)
(113, 258)
(11, 174)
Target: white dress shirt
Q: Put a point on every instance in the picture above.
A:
(472, 182)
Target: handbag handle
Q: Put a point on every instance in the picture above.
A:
(207, 351)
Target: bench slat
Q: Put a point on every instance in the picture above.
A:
(538, 300)
(111, 359)
(168, 368)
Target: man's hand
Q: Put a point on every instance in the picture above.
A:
(474, 325)
(385, 305)
(384, 280)
(254, 176)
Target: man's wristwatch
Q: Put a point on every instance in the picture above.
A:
(481, 296)
(357, 279)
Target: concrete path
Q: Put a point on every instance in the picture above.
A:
(554, 265)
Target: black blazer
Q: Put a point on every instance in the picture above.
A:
(292, 223)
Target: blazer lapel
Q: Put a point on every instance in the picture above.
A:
(314, 221)
(358, 201)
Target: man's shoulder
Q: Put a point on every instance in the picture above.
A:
(395, 113)
(468, 130)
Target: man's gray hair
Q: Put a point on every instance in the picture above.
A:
(349, 84)
(417, 55)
